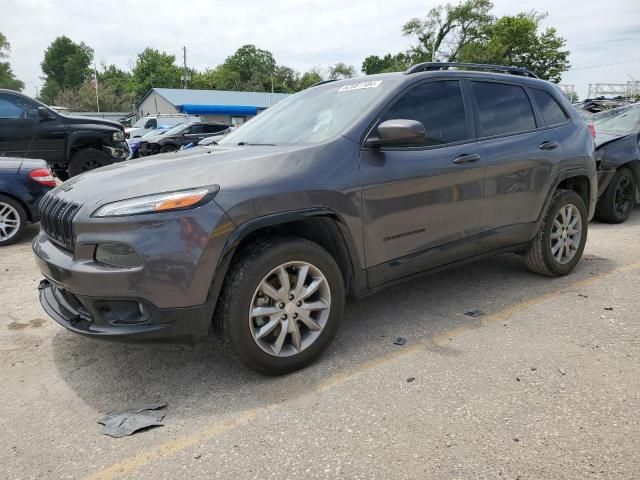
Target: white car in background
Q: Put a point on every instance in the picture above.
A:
(151, 122)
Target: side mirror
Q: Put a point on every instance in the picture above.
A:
(398, 132)
(44, 113)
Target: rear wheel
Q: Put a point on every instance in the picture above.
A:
(281, 305)
(617, 201)
(13, 221)
(561, 238)
(87, 159)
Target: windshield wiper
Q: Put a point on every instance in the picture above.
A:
(257, 144)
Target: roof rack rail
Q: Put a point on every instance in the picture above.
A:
(431, 66)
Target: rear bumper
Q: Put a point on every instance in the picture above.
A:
(121, 318)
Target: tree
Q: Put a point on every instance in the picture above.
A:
(249, 68)
(286, 80)
(340, 71)
(310, 78)
(448, 28)
(389, 63)
(514, 40)
(154, 68)
(7, 78)
(66, 65)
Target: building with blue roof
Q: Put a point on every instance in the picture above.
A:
(230, 107)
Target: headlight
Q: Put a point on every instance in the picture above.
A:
(161, 202)
(117, 136)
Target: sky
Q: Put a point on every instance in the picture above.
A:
(603, 37)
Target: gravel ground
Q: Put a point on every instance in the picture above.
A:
(545, 385)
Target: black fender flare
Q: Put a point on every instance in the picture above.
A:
(242, 231)
(83, 138)
(562, 176)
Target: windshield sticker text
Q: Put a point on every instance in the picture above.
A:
(360, 85)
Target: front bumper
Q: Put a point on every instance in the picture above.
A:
(118, 152)
(169, 294)
(118, 318)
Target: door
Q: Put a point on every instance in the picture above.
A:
(422, 205)
(520, 154)
(23, 133)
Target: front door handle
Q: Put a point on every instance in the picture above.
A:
(548, 145)
(467, 158)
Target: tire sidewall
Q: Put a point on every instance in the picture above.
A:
(83, 156)
(23, 220)
(239, 333)
(621, 217)
(565, 198)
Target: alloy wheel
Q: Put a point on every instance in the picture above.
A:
(289, 309)
(566, 233)
(9, 221)
(623, 198)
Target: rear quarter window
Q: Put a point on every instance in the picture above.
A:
(549, 108)
(502, 108)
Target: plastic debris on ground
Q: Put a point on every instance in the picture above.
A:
(475, 313)
(400, 341)
(122, 424)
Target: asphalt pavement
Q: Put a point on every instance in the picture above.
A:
(545, 384)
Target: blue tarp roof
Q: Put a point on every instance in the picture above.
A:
(219, 109)
(218, 98)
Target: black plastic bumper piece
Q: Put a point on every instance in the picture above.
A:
(100, 317)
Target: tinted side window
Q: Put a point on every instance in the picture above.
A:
(196, 129)
(15, 107)
(151, 123)
(549, 108)
(439, 106)
(214, 128)
(502, 108)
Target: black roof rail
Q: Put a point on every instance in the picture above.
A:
(323, 82)
(432, 66)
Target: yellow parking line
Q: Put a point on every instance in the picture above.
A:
(182, 443)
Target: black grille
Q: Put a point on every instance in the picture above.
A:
(56, 219)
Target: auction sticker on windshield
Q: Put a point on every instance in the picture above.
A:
(360, 85)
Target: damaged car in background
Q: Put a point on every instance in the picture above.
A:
(618, 160)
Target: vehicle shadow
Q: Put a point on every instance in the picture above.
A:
(199, 380)
(29, 234)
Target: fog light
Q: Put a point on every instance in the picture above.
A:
(117, 255)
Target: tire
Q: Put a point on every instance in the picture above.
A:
(617, 201)
(168, 148)
(242, 291)
(13, 221)
(540, 257)
(87, 159)
(62, 175)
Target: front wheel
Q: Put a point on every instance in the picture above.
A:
(87, 159)
(560, 241)
(281, 305)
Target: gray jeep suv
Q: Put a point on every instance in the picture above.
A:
(339, 190)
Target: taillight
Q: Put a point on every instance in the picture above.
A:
(592, 131)
(43, 176)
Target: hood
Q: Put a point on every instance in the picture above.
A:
(230, 167)
(77, 120)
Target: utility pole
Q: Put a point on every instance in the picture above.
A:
(185, 77)
(95, 85)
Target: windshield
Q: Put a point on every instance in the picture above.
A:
(174, 130)
(314, 115)
(624, 120)
(153, 133)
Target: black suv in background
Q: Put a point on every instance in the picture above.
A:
(70, 145)
(341, 189)
(180, 136)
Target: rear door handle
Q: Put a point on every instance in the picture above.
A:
(467, 158)
(548, 145)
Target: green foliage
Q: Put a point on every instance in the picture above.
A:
(389, 63)
(310, 78)
(66, 65)
(7, 78)
(249, 68)
(514, 40)
(154, 68)
(448, 28)
(340, 71)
